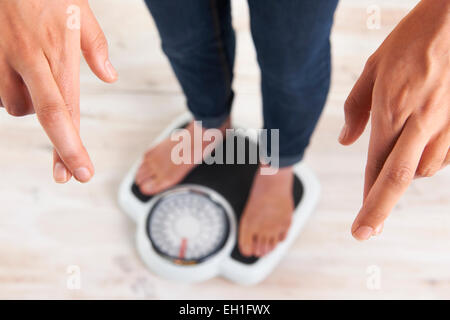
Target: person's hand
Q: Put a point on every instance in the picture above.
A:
(405, 91)
(40, 45)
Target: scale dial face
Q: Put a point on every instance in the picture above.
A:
(187, 226)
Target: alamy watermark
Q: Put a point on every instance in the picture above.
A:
(374, 17)
(74, 19)
(73, 277)
(373, 281)
(191, 148)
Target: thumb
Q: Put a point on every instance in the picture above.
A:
(95, 48)
(357, 110)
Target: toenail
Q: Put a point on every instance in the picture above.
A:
(147, 186)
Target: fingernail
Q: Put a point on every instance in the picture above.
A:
(343, 133)
(82, 174)
(378, 230)
(363, 233)
(110, 69)
(60, 173)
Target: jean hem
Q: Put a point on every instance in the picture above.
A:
(212, 122)
(288, 161)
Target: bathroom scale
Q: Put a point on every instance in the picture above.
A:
(189, 232)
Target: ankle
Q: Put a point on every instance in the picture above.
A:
(264, 169)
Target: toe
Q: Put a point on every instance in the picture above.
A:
(283, 234)
(144, 162)
(255, 245)
(261, 246)
(245, 241)
(142, 178)
(158, 185)
(264, 246)
(271, 244)
(145, 172)
(148, 153)
(141, 173)
(147, 187)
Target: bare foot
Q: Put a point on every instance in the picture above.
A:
(268, 213)
(158, 172)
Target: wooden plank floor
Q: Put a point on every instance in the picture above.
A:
(45, 228)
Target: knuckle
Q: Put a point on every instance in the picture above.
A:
(49, 113)
(430, 113)
(52, 38)
(398, 116)
(371, 63)
(99, 42)
(399, 176)
(350, 104)
(23, 51)
(27, 61)
(420, 125)
(18, 46)
(397, 109)
(70, 109)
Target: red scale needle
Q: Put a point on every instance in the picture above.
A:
(183, 247)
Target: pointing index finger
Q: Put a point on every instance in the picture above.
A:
(395, 177)
(56, 120)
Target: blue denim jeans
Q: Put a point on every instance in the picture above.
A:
(291, 38)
